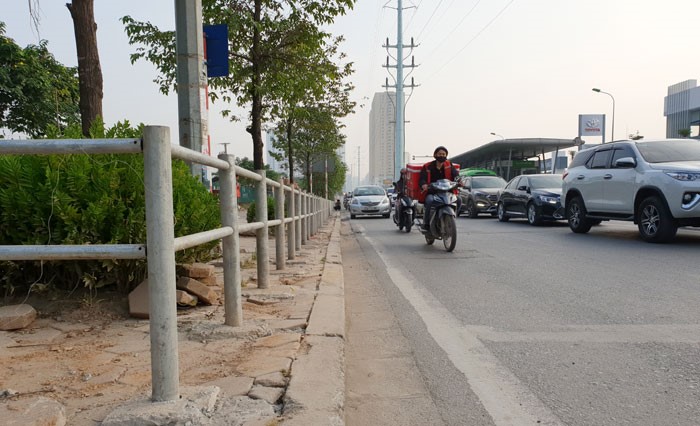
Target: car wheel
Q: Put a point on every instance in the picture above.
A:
(352, 216)
(471, 209)
(576, 216)
(533, 216)
(386, 216)
(501, 213)
(655, 222)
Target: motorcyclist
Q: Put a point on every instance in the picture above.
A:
(431, 172)
(400, 188)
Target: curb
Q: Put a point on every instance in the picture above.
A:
(316, 391)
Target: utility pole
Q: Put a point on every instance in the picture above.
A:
(191, 78)
(399, 133)
(225, 144)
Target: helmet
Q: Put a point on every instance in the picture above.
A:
(440, 148)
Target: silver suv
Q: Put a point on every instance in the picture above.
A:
(655, 184)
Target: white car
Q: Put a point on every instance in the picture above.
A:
(655, 184)
(369, 200)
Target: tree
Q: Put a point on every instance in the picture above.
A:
(265, 39)
(684, 133)
(89, 69)
(35, 90)
(317, 138)
(327, 87)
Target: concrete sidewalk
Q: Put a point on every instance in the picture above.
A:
(284, 365)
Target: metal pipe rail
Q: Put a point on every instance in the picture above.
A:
(306, 212)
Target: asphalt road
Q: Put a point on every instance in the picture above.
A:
(537, 325)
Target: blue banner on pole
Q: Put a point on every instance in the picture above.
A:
(216, 39)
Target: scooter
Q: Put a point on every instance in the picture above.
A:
(404, 212)
(442, 214)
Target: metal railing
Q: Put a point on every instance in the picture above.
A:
(307, 214)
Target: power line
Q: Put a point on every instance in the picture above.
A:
(431, 17)
(472, 39)
(469, 12)
(412, 16)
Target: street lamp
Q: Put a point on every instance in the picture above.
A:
(496, 134)
(612, 138)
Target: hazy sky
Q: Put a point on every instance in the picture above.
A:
(518, 68)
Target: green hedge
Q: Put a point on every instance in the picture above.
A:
(82, 199)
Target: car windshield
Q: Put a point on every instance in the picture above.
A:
(369, 190)
(488, 182)
(545, 181)
(668, 151)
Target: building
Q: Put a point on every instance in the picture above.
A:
(382, 117)
(682, 109)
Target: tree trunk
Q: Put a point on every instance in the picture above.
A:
(290, 150)
(256, 111)
(309, 178)
(89, 70)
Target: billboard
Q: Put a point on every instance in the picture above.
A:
(591, 124)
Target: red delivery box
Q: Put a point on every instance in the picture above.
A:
(413, 176)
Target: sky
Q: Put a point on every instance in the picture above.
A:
(517, 68)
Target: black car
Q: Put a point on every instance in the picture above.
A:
(535, 197)
(479, 194)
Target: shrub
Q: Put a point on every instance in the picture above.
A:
(98, 199)
(250, 214)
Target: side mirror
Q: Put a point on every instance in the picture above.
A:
(522, 188)
(626, 163)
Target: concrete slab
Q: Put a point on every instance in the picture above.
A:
(35, 411)
(264, 365)
(312, 398)
(232, 385)
(328, 316)
(192, 408)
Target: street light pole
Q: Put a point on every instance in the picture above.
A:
(496, 134)
(612, 138)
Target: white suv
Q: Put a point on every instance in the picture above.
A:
(656, 184)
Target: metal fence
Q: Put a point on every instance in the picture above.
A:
(307, 213)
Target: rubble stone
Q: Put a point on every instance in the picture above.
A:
(203, 292)
(15, 317)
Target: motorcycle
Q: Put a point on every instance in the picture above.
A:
(442, 214)
(404, 212)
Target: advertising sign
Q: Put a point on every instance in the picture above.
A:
(591, 124)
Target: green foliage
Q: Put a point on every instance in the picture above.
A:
(90, 199)
(271, 43)
(250, 214)
(684, 133)
(317, 137)
(36, 91)
(247, 164)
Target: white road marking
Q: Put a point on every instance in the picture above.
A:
(507, 400)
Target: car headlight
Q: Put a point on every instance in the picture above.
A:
(548, 199)
(385, 201)
(684, 176)
(479, 194)
(355, 202)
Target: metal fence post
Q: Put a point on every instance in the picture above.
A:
(233, 307)
(304, 210)
(298, 222)
(261, 233)
(307, 234)
(279, 233)
(160, 250)
(291, 226)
